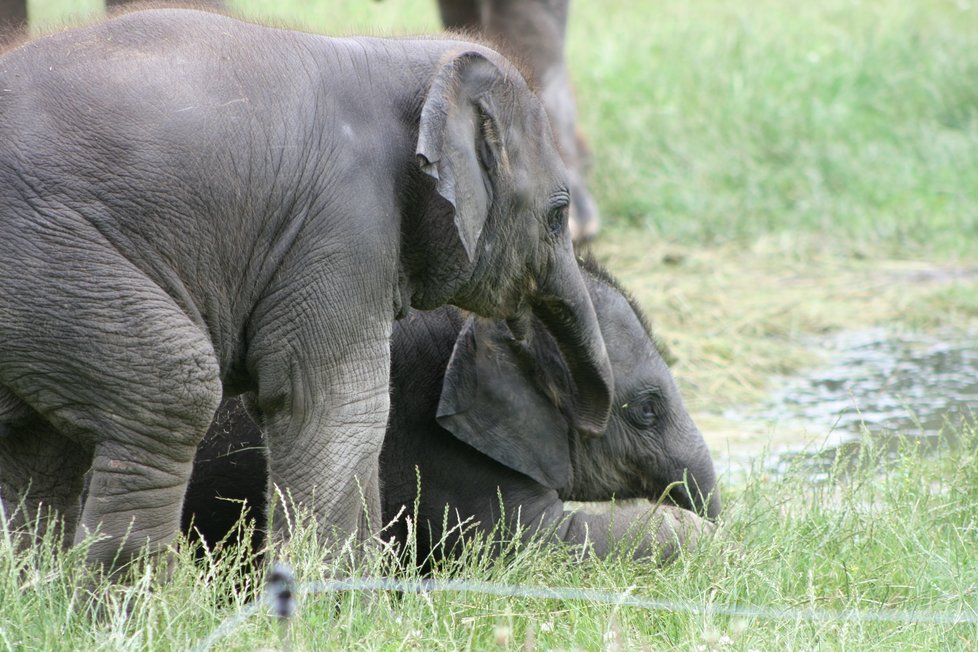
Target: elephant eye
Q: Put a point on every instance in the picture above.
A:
(642, 412)
(557, 219)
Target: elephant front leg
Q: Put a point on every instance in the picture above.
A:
(325, 414)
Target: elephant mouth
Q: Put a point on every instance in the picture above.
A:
(687, 495)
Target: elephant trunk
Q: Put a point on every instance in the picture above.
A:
(714, 506)
(693, 463)
(701, 482)
(563, 305)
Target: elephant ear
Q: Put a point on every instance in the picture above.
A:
(492, 400)
(459, 142)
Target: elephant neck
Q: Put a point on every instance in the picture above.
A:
(434, 270)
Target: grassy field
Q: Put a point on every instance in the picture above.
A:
(820, 560)
(767, 171)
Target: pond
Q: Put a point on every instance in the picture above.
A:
(887, 385)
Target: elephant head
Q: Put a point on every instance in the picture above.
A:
(514, 401)
(490, 168)
(533, 33)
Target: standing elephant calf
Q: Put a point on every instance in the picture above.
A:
(480, 417)
(191, 205)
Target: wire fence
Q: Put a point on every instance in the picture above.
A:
(281, 590)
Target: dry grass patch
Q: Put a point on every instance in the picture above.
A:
(741, 314)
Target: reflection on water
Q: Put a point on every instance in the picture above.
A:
(883, 383)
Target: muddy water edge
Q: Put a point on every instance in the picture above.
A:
(875, 385)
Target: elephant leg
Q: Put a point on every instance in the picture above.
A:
(324, 403)
(135, 499)
(106, 357)
(41, 481)
(463, 15)
(13, 15)
(143, 464)
(649, 531)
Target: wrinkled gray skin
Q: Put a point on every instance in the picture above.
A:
(251, 214)
(532, 32)
(480, 417)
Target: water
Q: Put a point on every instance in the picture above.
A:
(884, 384)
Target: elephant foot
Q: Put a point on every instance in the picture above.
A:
(585, 218)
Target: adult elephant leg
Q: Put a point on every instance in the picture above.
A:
(324, 399)
(462, 15)
(42, 480)
(13, 16)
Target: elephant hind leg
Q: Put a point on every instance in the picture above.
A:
(41, 481)
(133, 502)
(144, 449)
(138, 474)
(107, 358)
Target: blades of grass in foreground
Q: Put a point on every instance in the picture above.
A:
(882, 534)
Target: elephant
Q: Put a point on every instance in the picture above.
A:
(193, 206)
(533, 33)
(530, 31)
(13, 14)
(482, 423)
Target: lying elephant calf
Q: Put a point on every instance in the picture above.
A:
(485, 422)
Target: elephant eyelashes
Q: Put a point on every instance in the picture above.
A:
(558, 212)
(557, 219)
(641, 412)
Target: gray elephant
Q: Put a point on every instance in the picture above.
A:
(13, 14)
(531, 31)
(479, 417)
(251, 212)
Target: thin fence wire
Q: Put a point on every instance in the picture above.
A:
(966, 615)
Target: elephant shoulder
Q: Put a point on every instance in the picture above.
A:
(425, 339)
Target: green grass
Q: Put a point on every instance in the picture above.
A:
(767, 171)
(713, 121)
(716, 121)
(859, 541)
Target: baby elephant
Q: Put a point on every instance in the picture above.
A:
(193, 206)
(486, 421)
